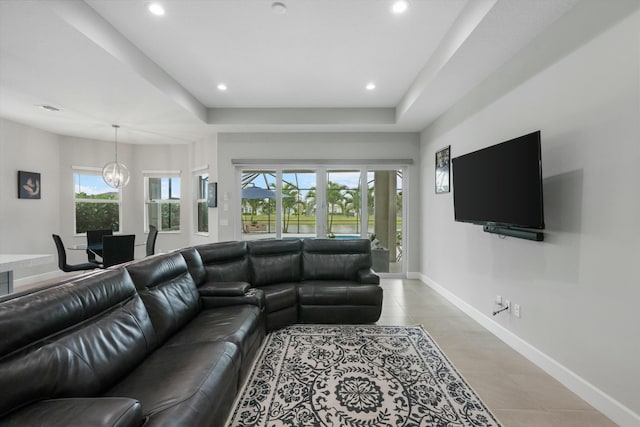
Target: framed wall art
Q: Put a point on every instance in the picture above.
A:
(28, 185)
(443, 167)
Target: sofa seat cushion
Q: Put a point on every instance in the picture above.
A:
(240, 324)
(319, 292)
(100, 411)
(184, 385)
(280, 296)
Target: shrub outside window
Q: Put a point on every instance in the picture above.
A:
(96, 205)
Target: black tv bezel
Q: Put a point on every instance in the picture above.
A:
(507, 225)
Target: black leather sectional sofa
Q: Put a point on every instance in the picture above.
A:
(168, 340)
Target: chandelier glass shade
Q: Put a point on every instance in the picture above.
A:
(115, 174)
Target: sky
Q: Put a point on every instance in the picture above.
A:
(94, 184)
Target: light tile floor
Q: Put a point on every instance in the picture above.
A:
(518, 392)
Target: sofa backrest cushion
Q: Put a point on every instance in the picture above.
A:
(335, 259)
(72, 340)
(167, 290)
(275, 261)
(225, 261)
(194, 264)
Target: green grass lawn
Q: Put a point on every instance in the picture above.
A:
(311, 220)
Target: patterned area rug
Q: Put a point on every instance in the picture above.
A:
(316, 375)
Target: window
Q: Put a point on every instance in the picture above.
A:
(163, 202)
(201, 180)
(97, 206)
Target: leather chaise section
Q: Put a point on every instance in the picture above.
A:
(102, 411)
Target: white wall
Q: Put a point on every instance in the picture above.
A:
(580, 288)
(314, 146)
(26, 225)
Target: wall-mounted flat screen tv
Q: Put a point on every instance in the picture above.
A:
(501, 185)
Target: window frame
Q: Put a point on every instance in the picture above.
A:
(197, 193)
(92, 171)
(147, 200)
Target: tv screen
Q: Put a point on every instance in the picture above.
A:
(501, 184)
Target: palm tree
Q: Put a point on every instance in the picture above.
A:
(310, 201)
(290, 195)
(353, 202)
(335, 198)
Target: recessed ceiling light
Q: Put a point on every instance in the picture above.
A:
(222, 87)
(156, 9)
(400, 6)
(371, 86)
(49, 108)
(279, 8)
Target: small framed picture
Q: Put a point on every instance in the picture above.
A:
(28, 185)
(212, 195)
(443, 165)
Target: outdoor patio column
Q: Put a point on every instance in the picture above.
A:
(385, 210)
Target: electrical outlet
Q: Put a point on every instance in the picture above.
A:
(516, 310)
(507, 304)
(499, 299)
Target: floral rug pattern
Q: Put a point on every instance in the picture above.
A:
(356, 375)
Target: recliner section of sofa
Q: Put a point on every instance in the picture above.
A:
(303, 280)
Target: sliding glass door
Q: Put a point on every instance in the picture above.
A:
(340, 203)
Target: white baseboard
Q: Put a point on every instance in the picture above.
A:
(604, 403)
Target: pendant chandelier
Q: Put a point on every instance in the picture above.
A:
(115, 174)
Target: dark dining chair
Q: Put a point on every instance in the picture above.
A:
(117, 249)
(94, 243)
(62, 259)
(151, 240)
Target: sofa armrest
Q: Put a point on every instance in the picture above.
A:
(367, 276)
(252, 296)
(98, 411)
(224, 289)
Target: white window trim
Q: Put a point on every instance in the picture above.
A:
(146, 202)
(196, 173)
